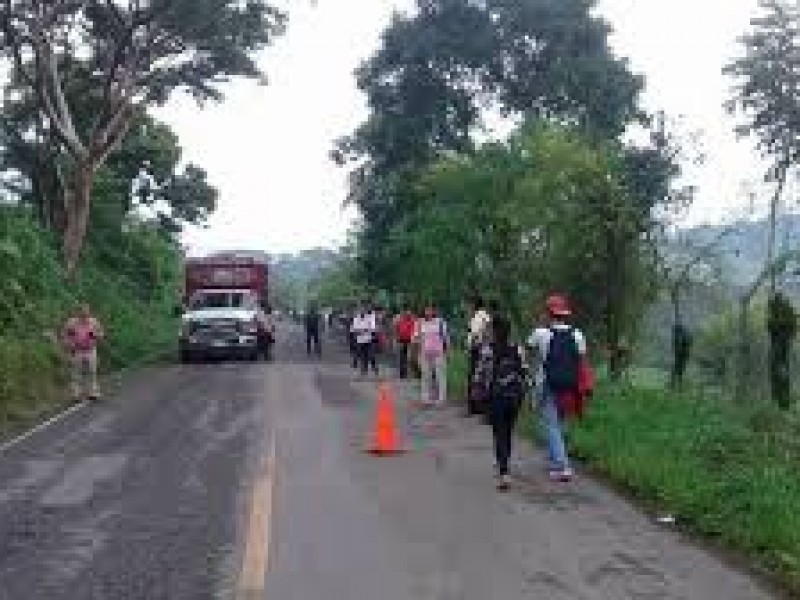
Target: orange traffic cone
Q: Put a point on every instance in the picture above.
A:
(385, 437)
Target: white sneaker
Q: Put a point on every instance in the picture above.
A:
(563, 475)
(502, 482)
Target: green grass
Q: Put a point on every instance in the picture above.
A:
(457, 374)
(727, 473)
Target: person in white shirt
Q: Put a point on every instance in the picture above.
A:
(478, 334)
(557, 349)
(433, 340)
(364, 330)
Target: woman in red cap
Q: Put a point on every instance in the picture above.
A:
(558, 349)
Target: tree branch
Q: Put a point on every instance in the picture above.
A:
(49, 88)
(114, 132)
(14, 41)
(60, 108)
(704, 252)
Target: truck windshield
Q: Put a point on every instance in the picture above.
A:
(222, 300)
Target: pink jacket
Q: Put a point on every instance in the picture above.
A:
(82, 335)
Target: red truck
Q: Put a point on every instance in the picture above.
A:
(226, 308)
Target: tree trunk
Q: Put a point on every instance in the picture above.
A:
(77, 203)
(782, 329)
(677, 322)
(40, 199)
(772, 231)
(775, 376)
(617, 355)
(743, 351)
(47, 193)
(55, 192)
(780, 385)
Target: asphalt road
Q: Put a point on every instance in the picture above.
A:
(238, 480)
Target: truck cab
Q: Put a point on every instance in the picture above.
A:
(224, 312)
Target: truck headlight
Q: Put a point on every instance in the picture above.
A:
(248, 327)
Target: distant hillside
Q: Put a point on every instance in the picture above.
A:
(742, 254)
(303, 266)
(292, 274)
(744, 250)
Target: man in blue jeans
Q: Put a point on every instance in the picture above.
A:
(557, 348)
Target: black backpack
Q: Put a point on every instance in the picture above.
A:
(508, 377)
(561, 367)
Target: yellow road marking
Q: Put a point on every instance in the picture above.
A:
(256, 555)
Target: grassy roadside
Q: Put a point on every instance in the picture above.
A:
(457, 374)
(728, 474)
(131, 283)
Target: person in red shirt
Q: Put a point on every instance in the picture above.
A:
(81, 335)
(405, 326)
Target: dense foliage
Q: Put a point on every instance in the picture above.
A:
(130, 280)
(88, 70)
(562, 204)
(80, 158)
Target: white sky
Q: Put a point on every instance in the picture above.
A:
(267, 148)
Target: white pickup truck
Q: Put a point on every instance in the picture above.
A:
(226, 324)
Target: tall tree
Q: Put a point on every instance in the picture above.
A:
(138, 52)
(768, 96)
(437, 71)
(549, 209)
(184, 194)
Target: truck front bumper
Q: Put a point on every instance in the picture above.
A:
(239, 346)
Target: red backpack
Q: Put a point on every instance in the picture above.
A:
(406, 327)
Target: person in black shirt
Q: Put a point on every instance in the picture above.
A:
(506, 392)
(313, 329)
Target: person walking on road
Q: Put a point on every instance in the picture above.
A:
(81, 335)
(364, 330)
(405, 326)
(268, 327)
(433, 339)
(559, 349)
(477, 335)
(313, 322)
(350, 318)
(506, 390)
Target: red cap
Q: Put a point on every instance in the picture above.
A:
(558, 306)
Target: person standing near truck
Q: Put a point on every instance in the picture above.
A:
(364, 330)
(313, 327)
(269, 328)
(80, 337)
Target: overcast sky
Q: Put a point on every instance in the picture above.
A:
(266, 148)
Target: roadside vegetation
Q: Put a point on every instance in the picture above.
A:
(134, 296)
(727, 472)
(694, 330)
(93, 190)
